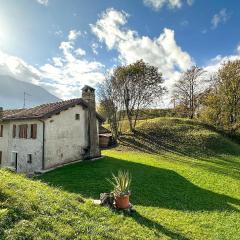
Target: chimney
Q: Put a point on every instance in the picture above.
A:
(88, 95)
(1, 113)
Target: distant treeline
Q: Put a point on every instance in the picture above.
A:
(212, 98)
(153, 113)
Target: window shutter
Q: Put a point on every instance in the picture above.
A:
(23, 131)
(14, 131)
(0, 157)
(1, 131)
(33, 131)
(20, 131)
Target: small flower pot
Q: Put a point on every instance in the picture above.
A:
(122, 202)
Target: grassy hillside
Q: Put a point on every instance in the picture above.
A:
(186, 182)
(179, 135)
(33, 210)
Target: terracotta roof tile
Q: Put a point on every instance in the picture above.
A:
(11, 112)
(44, 110)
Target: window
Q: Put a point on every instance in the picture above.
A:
(33, 134)
(23, 131)
(77, 116)
(29, 158)
(0, 157)
(14, 131)
(1, 131)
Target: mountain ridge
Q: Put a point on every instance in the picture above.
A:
(12, 93)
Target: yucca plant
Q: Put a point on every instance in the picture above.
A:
(121, 183)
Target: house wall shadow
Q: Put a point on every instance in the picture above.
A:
(151, 186)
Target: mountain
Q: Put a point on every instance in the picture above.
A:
(12, 93)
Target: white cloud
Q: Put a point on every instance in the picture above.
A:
(19, 69)
(70, 71)
(158, 4)
(57, 61)
(107, 28)
(73, 34)
(80, 52)
(63, 76)
(58, 33)
(94, 47)
(162, 52)
(238, 49)
(43, 2)
(219, 18)
(215, 63)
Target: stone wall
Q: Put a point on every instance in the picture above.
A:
(22, 147)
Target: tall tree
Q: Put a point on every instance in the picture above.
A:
(220, 104)
(229, 91)
(187, 90)
(111, 104)
(139, 85)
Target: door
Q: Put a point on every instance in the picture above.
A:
(0, 158)
(15, 160)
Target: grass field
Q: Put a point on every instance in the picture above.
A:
(186, 182)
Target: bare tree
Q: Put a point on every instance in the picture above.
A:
(188, 88)
(110, 101)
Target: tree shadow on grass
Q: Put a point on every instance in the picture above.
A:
(213, 153)
(156, 227)
(151, 186)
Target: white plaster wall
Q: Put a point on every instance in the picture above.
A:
(4, 143)
(26, 146)
(65, 137)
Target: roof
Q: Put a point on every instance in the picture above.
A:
(103, 130)
(45, 110)
(11, 112)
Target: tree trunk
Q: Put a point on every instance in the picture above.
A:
(130, 123)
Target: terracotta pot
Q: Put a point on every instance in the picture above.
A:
(122, 201)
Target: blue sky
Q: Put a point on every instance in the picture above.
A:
(62, 45)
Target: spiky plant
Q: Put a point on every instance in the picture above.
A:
(121, 183)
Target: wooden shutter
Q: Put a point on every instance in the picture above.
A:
(20, 131)
(1, 131)
(0, 157)
(14, 131)
(23, 131)
(33, 131)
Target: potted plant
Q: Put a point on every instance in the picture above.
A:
(121, 183)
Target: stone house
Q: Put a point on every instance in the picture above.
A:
(50, 135)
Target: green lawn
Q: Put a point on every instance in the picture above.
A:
(186, 180)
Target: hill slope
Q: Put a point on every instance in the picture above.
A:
(181, 136)
(12, 91)
(185, 186)
(32, 210)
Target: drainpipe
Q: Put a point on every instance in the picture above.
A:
(43, 148)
